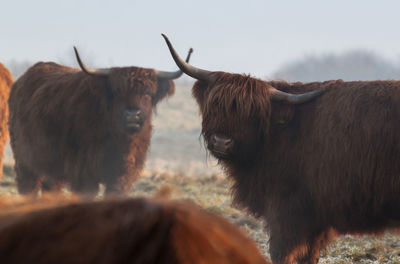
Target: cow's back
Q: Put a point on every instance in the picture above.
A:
(121, 231)
(348, 151)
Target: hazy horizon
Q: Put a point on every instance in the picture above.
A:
(256, 37)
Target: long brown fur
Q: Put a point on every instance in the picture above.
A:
(331, 165)
(6, 81)
(65, 127)
(119, 231)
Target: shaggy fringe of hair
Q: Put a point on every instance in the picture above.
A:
(142, 79)
(242, 95)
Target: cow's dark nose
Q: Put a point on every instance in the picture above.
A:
(133, 119)
(221, 144)
(133, 114)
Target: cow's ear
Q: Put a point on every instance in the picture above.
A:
(165, 88)
(281, 113)
(200, 91)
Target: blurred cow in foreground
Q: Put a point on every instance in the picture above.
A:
(84, 127)
(119, 231)
(6, 81)
(312, 159)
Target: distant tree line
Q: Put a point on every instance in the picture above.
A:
(349, 66)
(352, 65)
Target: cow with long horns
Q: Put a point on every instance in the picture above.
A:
(119, 231)
(313, 159)
(6, 81)
(83, 128)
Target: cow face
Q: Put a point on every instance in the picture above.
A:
(235, 108)
(135, 92)
(135, 112)
(235, 111)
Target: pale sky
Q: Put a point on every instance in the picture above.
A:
(255, 37)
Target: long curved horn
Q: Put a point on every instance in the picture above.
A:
(277, 95)
(176, 74)
(194, 72)
(90, 71)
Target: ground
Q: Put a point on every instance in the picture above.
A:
(212, 192)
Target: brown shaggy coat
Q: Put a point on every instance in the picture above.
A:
(66, 127)
(331, 165)
(6, 81)
(120, 231)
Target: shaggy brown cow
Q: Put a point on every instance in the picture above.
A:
(6, 81)
(83, 127)
(311, 165)
(120, 231)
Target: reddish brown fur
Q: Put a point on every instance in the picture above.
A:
(6, 81)
(66, 127)
(310, 170)
(121, 231)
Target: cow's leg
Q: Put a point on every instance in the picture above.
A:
(284, 247)
(293, 247)
(110, 183)
(292, 227)
(28, 182)
(50, 185)
(315, 245)
(312, 255)
(120, 185)
(87, 191)
(120, 181)
(113, 190)
(85, 184)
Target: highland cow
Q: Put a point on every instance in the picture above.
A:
(84, 127)
(6, 81)
(120, 231)
(312, 159)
